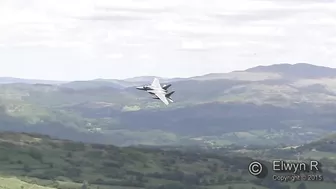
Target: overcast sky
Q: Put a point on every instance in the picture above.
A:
(88, 39)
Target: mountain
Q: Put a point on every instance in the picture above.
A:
(93, 84)
(7, 80)
(300, 70)
(239, 75)
(115, 83)
(143, 79)
(326, 144)
(256, 106)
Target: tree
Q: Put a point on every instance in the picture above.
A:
(286, 187)
(139, 178)
(302, 185)
(221, 179)
(69, 155)
(26, 168)
(36, 154)
(85, 185)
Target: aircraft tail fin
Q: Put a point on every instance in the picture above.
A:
(169, 94)
(165, 87)
(156, 83)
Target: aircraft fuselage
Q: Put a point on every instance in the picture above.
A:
(144, 88)
(158, 91)
(151, 90)
(166, 94)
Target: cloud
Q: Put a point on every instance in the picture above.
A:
(115, 56)
(143, 10)
(304, 1)
(115, 16)
(258, 15)
(193, 37)
(192, 45)
(145, 56)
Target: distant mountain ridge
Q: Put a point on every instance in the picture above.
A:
(298, 70)
(8, 80)
(142, 79)
(253, 106)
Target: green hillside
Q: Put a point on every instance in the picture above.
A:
(39, 161)
(326, 145)
(260, 105)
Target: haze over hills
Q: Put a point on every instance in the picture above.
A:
(281, 103)
(7, 80)
(300, 70)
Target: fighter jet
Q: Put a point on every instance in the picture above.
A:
(157, 91)
(167, 96)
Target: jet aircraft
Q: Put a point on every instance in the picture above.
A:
(158, 92)
(167, 96)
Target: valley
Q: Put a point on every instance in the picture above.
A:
(105, 134)
(40, 161)
(260, 104)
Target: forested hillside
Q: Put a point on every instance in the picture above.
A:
(290, 104)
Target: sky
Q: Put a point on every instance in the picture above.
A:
(89, 39)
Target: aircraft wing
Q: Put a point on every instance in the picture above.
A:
(162, 97)
(156, 83)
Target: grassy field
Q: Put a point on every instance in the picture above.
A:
(239, 186)
(15, 183)
(319, 155)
